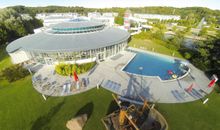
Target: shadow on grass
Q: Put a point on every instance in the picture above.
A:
(112, 107)
(87, 109)
(42, 121)
(217, 89)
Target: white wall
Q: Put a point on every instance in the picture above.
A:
(19, 57)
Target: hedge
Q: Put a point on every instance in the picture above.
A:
(68, 69)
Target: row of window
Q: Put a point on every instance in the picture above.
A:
(77, 30)
(73, 56)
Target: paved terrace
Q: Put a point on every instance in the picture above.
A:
(110, 76)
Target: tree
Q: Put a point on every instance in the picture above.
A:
(3, 34)
(174, 28)
(14, 73)
(119, 20)
(187, 55)
(203, 32)
(13, 25)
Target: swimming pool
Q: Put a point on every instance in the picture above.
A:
(148, 64)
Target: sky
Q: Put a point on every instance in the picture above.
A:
(213, 4)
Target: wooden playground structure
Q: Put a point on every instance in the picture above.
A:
(134, 115)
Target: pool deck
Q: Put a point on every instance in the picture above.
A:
(109, 75)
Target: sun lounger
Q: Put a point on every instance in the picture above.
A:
(87, 81)
(68, 87)
(175, 95)
(107, 84)
(180, 95)
(64, 89)
(54, 82)
(191, 94)
(84, 82)
(196, 93)
(45, 79)
(119, 87)
(114, 86)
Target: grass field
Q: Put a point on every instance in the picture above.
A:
(152, 46)
(23, 108)
(193, 115)
(4, 58)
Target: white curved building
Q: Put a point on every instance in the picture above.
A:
(76, 41)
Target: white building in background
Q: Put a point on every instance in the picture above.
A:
(54, 18)
(157, 16)
(107, 18)
(94, 14)
(109, 14)
(41, 29)
(26, 17)
(46, 15)
(109, 21)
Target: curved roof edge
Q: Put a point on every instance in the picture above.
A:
(53, 42)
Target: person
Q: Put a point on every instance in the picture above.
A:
(170, 72)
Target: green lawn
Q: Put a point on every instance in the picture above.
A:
(4, 58)
(23, 108)
(193, 115)
(150, 46)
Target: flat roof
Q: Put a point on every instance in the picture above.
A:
(69, 42)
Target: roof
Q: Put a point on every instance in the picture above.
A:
(81, 24)
(69, 42)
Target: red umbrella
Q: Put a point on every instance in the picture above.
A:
(75, 76)
(211, 83)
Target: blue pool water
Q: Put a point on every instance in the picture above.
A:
(155, 65)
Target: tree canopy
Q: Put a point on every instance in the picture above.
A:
(13, 25)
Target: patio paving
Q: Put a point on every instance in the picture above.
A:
(110, 76)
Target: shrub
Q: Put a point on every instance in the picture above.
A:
(14, 73)
(187, 55)
(68, 69)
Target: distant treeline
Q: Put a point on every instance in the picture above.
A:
(191, 16)
(13, 25)
(183, 12)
